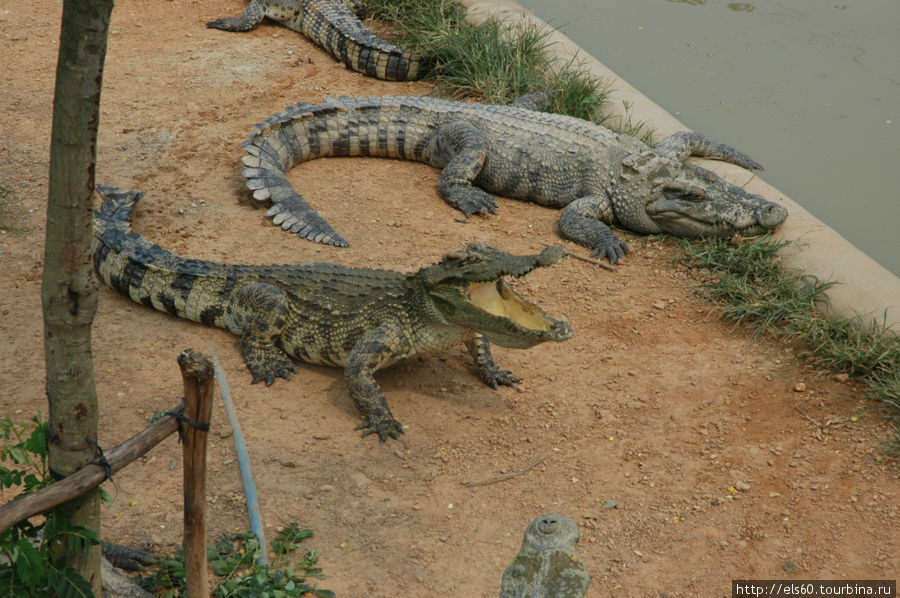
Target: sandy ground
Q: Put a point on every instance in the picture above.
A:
(719, 466)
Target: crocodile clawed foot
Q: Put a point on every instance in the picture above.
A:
(124, 557)
(469, 200)
(272, 368)
(612, 249)
(384, 425)
(494, 378)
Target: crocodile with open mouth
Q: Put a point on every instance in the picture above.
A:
(323, 313)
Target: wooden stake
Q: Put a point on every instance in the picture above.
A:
(199, 387)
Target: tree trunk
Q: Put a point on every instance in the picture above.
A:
(69, 289)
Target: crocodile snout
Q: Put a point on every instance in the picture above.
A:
(771, 215)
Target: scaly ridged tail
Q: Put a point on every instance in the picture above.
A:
(150, 275)
(336, 29)
(384, 127)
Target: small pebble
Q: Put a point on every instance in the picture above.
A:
(799, 387)
(610, 504)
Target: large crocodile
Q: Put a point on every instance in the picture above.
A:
(334, 27)
(329, 314)
(598, 177)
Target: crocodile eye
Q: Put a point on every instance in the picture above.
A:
(695, 194)
(684, 192)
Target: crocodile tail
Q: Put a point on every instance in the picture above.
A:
(115, 211)
(379, 127)
(271, 150)
(334, 27)
(148, 274)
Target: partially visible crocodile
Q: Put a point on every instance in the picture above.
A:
(548, 565)
(333, 26)
(598, 177)
(323, 313)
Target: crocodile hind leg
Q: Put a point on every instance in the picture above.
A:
(375, 349)
(462, 148)
(480, 350)
(258, 313)
(249, 19)
(582, 221)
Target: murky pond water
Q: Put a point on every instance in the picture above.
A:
(809, 88)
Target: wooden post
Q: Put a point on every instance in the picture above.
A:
(69, 286)
(199, 385)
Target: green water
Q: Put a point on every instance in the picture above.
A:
(809, 88)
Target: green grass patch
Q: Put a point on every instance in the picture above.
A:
(495, 62)
(753, 289)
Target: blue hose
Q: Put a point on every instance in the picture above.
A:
(243, 460)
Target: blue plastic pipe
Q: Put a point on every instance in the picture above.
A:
(243, 460)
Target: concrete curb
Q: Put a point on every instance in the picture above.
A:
(865, 288)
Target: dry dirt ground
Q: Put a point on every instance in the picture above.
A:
(719, 466)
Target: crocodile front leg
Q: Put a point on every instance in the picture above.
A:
(462, 148)
(581, 221)
(249, 19)
(258, 314)
(375, 349)
(480, 350)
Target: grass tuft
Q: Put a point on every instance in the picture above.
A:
(752, 286)
(753, 289)
(495, 62)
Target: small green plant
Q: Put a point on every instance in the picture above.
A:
(753, 289)
(28, 568)
(233, 559)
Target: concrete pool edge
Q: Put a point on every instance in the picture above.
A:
(865, 286)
